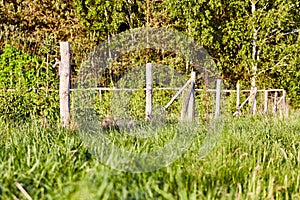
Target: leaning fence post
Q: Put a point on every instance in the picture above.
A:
(218, 98)
(64, 83)
(148, 91)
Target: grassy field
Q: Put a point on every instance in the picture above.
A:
(255, 158)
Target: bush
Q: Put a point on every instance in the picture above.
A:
(28, 87)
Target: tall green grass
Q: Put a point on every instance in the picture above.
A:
(255, 158)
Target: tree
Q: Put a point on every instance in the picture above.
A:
(274, 28)
(255, 42)
(105, 18)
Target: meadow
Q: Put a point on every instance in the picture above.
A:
(256, 157)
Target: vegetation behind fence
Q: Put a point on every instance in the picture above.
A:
(226, 30)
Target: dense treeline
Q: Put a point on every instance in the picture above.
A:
(255, 42)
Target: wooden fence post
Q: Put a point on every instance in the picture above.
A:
(218, 98)
(191, 106)
(285, 106)
(64, 84)
(266, 102)
(148, 91)
(253, 107)
(238, 92)
(188, 106)
(275, 103)
(207, 96)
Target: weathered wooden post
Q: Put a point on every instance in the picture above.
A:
(266, 102)
(191, 104)
(64, 83)
(185, 102)
(218, 98)
(275, 103)
(207, 96)
(238, 93)
(148, 91)
(188, 106)
(285, 106)
(253, 107)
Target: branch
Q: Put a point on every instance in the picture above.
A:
(293, 31)
(275, 31)
(282, 59)
(261, 11)
(278, 31)
(277, 64)
(265, 70)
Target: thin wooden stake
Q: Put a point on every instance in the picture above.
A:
(189, 104)
(191, 107)
(285, 106)
(148, 91)
(185, 105)
(275, 103)
(238, 92)
(253, 107)
(266, 102)
(207, 96)
(64, 86)
(218, 98)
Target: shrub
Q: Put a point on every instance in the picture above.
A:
(28, 87)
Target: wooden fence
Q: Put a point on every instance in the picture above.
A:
(188, 108)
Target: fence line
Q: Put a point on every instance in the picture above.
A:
(135, 89)
(188, 106)
(167, 88)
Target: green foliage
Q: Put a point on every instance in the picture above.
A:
(103, 18)
(137, 105)
(28, 87)
(37, 27)
(225, 28)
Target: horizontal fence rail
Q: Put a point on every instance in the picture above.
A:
(135, 89)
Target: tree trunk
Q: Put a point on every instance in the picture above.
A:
(255, 55)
